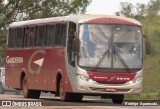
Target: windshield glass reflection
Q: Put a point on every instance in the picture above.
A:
(95, 40)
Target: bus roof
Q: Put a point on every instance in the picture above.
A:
(38, 21)
(78, 19)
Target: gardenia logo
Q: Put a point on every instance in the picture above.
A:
(14, 60)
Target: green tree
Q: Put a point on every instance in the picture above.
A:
(16, 10)
(153, 8)
(141, 11)
(126, 9)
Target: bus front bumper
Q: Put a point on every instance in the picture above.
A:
(82, 86)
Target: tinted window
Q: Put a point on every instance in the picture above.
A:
(26, 36)
(23, 38)
(19, 37)
(40, 36)
(60, 34)
(63, 35)
(49, 35)
(16, 37)
(31, 37)
(10, 38)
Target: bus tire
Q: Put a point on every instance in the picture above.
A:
(76, 97)
(35, 94)
(118, 99)
(63, 95)
(26, 92)
(30, 93)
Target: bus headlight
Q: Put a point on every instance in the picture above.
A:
(85, 78)
(135, 80)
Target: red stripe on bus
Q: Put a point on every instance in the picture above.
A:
(106, 77)
(111, 21)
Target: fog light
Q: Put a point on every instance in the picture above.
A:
(130, 82)
(135, 80)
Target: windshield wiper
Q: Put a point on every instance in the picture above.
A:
(101, 59)
(122, 60)
(118, 55)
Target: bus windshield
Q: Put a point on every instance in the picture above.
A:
(100, 44)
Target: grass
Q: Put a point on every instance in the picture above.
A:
(151, 79)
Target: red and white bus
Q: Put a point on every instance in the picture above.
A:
(75, 55)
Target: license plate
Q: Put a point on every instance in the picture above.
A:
(111, 89)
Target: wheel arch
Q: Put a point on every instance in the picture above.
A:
(58, 79)
(23, 74)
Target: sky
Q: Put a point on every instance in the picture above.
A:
(109, 7)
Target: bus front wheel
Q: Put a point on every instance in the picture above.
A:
(118, 99)
(63, 95)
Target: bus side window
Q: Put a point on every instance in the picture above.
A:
(43, 36)
(50, 35)
(46, 35)
(60, 35)
(14, 37)
(10, 38)
(26, 36)
(57, 40)
(63, 35)
(31, 36)
(36, 36)
(23, 37)
(40, 36)
(19, 38)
